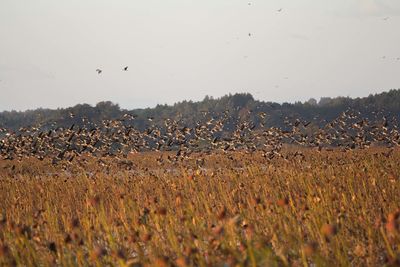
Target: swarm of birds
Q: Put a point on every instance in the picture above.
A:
(215, 134)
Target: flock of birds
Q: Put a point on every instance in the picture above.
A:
(100, 71)
(215, 134)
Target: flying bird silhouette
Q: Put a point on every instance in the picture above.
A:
(126, 68)
(99, 71)
(280, 10)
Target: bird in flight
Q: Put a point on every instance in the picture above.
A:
(280, 10)
(386, 18)
(125, 68)
(99, 71)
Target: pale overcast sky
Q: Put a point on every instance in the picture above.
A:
(186, 49)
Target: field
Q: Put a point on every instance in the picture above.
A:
(328, 208)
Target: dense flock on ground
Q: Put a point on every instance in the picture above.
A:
(118, 138)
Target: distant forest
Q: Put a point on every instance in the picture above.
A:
(238, 106)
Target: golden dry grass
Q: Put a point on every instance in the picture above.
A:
(330, 208)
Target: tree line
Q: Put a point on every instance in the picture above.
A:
(236, 106)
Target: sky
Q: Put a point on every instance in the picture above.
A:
(184, 50)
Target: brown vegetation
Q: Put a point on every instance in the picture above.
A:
(327, 208)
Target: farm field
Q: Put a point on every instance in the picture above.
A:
(310, 208)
